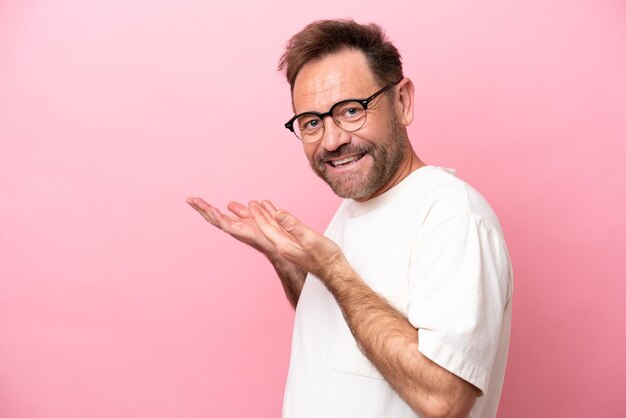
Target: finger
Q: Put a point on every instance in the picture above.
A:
(203, 208)
(239, 209)
(292, 225)
(269, 217)
(269, 207)
(273, 232)
(198, 204)
(211, 214)
(197, 201)
(222, 221)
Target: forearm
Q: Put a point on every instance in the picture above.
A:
(291, 277)
(385, 336)
(390, 342)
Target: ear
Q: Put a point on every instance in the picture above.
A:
(405, 101)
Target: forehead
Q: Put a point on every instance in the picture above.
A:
(339, 76)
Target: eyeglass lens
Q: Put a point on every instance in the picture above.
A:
(349, 116)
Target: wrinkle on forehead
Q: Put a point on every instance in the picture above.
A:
(324, 82)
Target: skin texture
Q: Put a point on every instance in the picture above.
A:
(385, 336)
(383, 141)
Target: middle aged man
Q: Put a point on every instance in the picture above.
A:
(404, 307)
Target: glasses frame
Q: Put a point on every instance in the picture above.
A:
(362, 102)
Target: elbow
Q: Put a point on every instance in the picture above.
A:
(440, 407)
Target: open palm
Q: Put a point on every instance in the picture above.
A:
(241, 226)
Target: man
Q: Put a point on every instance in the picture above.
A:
(404, 306)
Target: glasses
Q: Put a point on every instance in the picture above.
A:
(349, 115)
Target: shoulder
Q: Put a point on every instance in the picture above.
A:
(446, 197)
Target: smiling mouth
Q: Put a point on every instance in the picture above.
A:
(346, 161)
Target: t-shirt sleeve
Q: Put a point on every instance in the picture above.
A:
(459, 287)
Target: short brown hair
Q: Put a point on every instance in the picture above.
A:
(324, 37)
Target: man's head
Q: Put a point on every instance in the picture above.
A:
(333, 61)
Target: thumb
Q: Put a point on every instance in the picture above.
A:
(290, 223)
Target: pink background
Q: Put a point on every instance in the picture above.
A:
(117, 300)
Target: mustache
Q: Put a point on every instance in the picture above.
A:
(343, 150)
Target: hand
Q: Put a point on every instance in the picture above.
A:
(241, 226)
(244, 228)
(297, 242)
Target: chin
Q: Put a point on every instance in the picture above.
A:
(351, 194)
(353, 188)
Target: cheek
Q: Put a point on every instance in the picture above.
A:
(374, 126)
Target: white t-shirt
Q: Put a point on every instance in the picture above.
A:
(433, 248)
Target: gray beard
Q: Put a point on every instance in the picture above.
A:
(387, 161)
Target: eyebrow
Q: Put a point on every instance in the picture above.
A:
(356, 98)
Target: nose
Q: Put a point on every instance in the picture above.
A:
(334, 136)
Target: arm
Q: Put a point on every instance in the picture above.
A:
(243, 228)
(291, 277)
(385, 336)
(389, 340)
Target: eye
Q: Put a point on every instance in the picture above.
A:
(308, 123)
(349, 111)
(312, 124)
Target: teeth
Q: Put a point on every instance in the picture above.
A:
(343, 161)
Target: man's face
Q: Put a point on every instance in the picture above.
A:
(358, 164)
